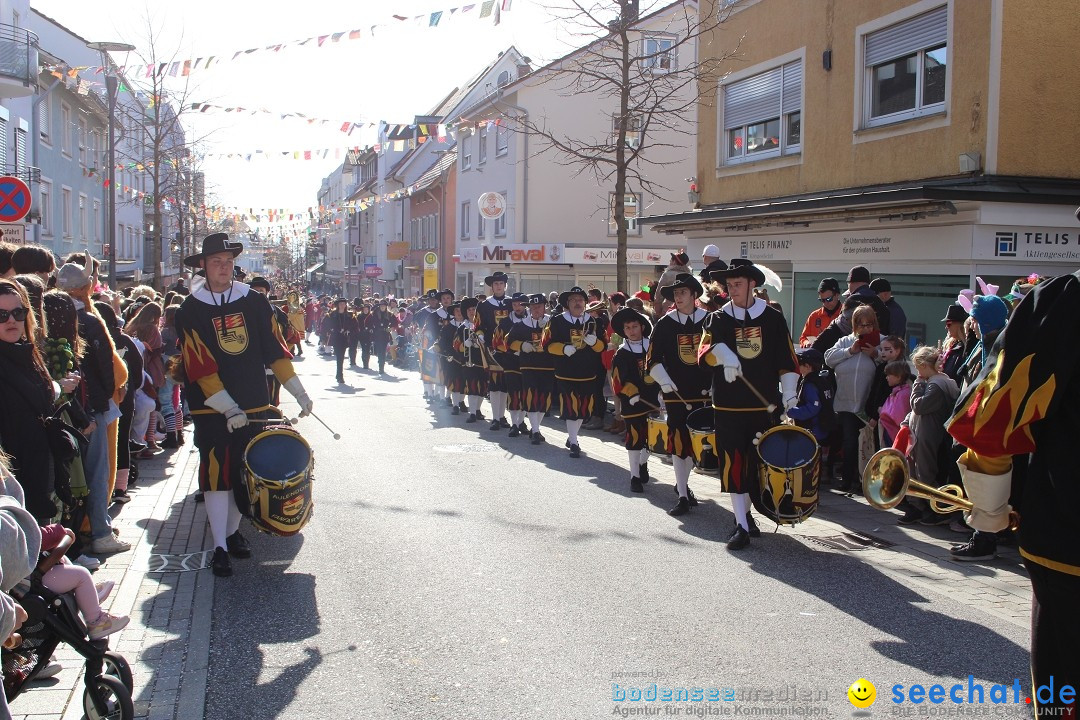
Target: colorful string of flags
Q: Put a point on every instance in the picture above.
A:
(182, 68)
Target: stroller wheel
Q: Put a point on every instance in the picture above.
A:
(116, 666)
(106, 698)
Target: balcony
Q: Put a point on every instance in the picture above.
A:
(27, 173)
(18, 62)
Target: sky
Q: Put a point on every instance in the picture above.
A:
(403, 70)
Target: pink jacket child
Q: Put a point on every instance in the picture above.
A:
(895, 409)
(66, 577)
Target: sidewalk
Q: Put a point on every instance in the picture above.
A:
(167, 642)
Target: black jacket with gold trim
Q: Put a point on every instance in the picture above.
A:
(565, 330)
(674, 342)
(629, 378)
(532, 332)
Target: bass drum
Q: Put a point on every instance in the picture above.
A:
(703, 439)
(788, 474)
(277, 473)
(657, 435)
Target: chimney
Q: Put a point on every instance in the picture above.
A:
(523, 70)
(633, 10)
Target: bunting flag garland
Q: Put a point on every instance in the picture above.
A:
(347, 127)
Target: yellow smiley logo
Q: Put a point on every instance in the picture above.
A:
(862, 693)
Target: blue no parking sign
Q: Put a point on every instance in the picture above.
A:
(14, 199)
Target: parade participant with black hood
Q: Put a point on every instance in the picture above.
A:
(511, 364)
(382, 324)
(489, 314)
(685, 386)
(224, 330)
(342, 327)
(567, 334)
(745, 338)
(437, 322)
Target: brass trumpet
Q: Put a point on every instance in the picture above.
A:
(887, 480)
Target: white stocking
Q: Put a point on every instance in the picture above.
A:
(535, 418)
(740, 505)
(517, 417)
(572, 427)
(644, 457)
(234, 515)
(498, 404)
(682, 467)
(634, 462)
(217, 514)
(456, 398)
(474, 403)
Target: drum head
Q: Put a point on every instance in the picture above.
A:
(701, 419)
(787, 447)
(278, 455)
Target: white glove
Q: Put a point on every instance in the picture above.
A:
(590, 340)
(634, 400)
(296, 389)
(727, 357)
(468, 343)
(789, 383)
(568, 350)
(659, 373)
(235, 418)
(527, 347)
(990, 495)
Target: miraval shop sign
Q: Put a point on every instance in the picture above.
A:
(532, 253)
(610, 256)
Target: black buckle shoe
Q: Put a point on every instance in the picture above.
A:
(455, 410)
(238, 546)
(514, 432)
(739, 539)
(494, 425)
(636, 486)
(575, 451)
(681, 509)
(221, 565)
(471, 418)
(523, 428)
(643, 472)
(537, 438)
(504, 423)
(690, 497)
(751, 526)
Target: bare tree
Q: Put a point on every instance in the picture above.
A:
(652, 79)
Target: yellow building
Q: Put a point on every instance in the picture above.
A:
(929, 141)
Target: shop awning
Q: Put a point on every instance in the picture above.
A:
(316, 266)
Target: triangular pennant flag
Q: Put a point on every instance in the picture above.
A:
(485, 9)
(435, 18)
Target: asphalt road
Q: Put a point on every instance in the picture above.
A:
(453, 572)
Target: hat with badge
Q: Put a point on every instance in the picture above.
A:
(565, 297)
(212, 245)
(537, 299)
(682, 280)
(619, 319)
(741, 268)
(497, 276)
(431, 294)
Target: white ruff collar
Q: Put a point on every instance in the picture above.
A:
(739, 313)
(201, 292)
(697, 316)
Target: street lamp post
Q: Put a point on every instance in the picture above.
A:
(112, 89)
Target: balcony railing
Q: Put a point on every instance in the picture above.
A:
(27, 173)
(18, 59)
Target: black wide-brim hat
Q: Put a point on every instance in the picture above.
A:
(260, 282)
(682, 280)
(212, 245)
(955, 313)
(716, 266)
(432, 294)
(564, 297)
(446, 291)
(619, 319)
(741, 268)
(497, 276)
(537, 299)
(520, 297)
(468, 302)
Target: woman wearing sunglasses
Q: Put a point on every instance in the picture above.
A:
(27, 392)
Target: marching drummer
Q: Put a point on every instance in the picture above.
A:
(636, 390)
(672, 363)
(525, 339)
(745, 341)
(224, 329)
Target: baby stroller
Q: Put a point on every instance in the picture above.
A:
(54, 618)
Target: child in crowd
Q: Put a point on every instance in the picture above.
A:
(898, 404)
(814, 409)
(66, 576)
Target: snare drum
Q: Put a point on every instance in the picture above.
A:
(657, 435)
(277, 475)
(788, 474)
(703, 439)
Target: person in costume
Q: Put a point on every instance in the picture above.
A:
(262, 286)
(567, 335)
(452, 370)
(224, 330)
(492, 311)
(342, 327)
(526, 339)
(672, 363)
(637, 392)
(1022, 408)
(745, 338)
(468, 354)
(382, 324)
(429, 361)
(511, 364)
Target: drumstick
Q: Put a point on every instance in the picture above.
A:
(681, 399)
(768, 405)
(272, 421)
(336, 436)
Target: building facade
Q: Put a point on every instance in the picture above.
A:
(895, 134)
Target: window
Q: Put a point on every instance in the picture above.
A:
(658, 53)
(504, 78)
(466, 152)
(20, 149)
(481, 225)
(414, 234)
(84, 140)
(763, 115)
(905, 68)
(120, 230)
(46, 207)
(65, 129)
(3, 143)
(634, 125)
(466, 213)
(65, 207)
(631, 204)
(44, 118)
(481, 148)
(97, 220)
(502, 140)
(83, 235)
(500, 222)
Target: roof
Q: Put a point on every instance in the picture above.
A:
(433, 173)
(986, 188)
